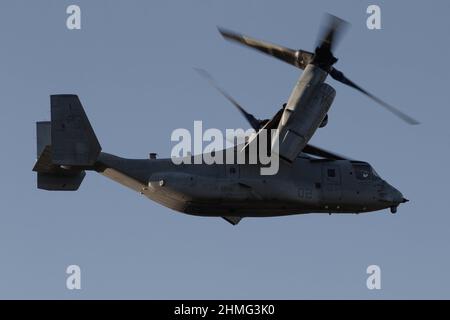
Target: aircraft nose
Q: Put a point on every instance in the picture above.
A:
(392, 197)
(395, 195)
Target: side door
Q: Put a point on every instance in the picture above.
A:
(332, 183)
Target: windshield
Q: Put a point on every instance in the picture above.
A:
(364, 171)
(375, 174)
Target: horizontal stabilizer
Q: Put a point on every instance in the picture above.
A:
(44, 162)
(54, 177)
(53, 182)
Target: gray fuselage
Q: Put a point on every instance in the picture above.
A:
(308, 185)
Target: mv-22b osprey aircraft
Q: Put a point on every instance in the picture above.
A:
(309, 179)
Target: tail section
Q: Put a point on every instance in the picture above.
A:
(66, 145)
(73, 141)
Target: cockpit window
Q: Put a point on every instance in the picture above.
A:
(363, 171)
(375, 174)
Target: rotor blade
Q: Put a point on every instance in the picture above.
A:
(339, 76)
(332, 31)
(254, 123)
(297, 58)
(316, 151)
(271, 124)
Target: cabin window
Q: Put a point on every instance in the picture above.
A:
(331, 173)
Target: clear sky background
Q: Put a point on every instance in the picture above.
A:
(131, 65)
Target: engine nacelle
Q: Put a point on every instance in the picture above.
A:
(299, 122)
(305, 111)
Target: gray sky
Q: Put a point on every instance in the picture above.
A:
(131, 64)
